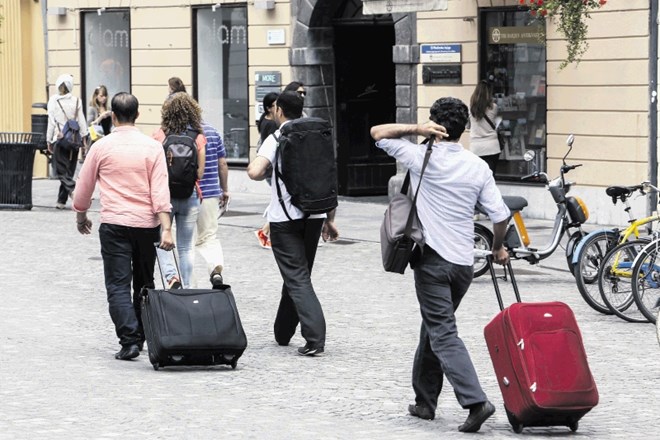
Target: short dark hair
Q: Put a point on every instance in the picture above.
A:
(125, 107)
(451, 113)
(291, 104)
(293, 86)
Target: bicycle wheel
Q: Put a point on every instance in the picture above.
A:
(483, 239)
(586, 269)
(615, 280)
(646, 289)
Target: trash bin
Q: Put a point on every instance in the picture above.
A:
(16, 162)
(40, 126)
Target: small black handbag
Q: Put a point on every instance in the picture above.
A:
(401, 229)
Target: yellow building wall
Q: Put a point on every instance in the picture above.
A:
(603, 100)
(162, 47)
(22, 68)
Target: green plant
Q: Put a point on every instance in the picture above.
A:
(570, 17)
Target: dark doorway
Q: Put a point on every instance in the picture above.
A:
(365, 96)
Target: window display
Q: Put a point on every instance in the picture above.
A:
(220, 75)
(513, 60)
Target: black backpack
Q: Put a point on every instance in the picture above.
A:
(182, 162)
(309, 170)
(71, 138)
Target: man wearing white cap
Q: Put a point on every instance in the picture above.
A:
(61, 108)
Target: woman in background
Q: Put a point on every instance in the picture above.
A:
(98, 112)
(483, 135)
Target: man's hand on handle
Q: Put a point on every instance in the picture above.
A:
(501, 256)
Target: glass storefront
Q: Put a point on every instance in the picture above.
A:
(513, 58)
(106, 52)
(220, 71)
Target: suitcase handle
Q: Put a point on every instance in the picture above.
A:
(498, 294)
(160, 266)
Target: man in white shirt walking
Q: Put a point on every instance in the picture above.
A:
(454, 181)
(294, 239)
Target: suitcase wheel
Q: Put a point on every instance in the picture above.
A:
(153, 361)
(573, 426)
(234, 362)
(515, 424)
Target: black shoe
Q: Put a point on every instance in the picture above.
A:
(310, 351)
(128, 352)
(478, 415)
(216, 281)
(421, 411)
(140, 345)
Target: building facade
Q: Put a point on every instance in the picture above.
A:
(364, 69)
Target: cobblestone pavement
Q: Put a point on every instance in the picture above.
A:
(59, 378)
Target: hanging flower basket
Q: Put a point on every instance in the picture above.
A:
(570, 17)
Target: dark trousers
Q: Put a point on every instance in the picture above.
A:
(128, 255)
(440, 287)
(65, 167)
(491, 160)
(294, 246)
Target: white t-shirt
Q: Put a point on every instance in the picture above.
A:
(274, 212)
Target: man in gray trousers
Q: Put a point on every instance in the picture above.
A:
(454, 181)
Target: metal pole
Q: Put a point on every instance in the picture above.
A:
(653, 107)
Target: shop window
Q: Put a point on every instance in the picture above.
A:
(220, 70)
(513, 59)
(106, 52)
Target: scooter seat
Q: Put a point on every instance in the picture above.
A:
(515, 203)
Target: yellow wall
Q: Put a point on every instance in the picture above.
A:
(603, 100)
(22, 68)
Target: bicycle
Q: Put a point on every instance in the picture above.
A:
(591, 250)
(646, 285)
(615, 280)
(571, 214)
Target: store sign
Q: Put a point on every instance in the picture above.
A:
(392, 6)
(515, 34)
(268, 78)
(440, 53)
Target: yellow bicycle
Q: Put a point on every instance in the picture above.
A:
(591, 250)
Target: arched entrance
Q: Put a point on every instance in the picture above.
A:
(356, 77)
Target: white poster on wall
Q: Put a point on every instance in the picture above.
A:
(393, 6)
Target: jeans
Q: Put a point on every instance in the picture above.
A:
(440, 287)
(128, 255)
(207, 242)
(65, 167)
(184, 213)
(294, 245)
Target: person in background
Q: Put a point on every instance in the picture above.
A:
(483, 134)
(215, 192)
(180, 114)
(130, 170)
(98, 112)
(266, 126)
(61, 108)
(175, 86)
(454, 181)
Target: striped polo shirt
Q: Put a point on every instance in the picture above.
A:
(215, 149)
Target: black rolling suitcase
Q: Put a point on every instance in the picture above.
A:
(192, 326)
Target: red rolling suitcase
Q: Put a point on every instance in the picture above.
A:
(540, 363)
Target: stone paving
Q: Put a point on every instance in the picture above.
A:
(59, 379)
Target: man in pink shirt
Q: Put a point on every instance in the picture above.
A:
(131, 172)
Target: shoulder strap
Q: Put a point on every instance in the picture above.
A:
(278, 176)
(489, 121)
(427, 156)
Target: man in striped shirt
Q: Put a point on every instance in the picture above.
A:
(214, 192)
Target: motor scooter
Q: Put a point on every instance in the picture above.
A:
(571, 214)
